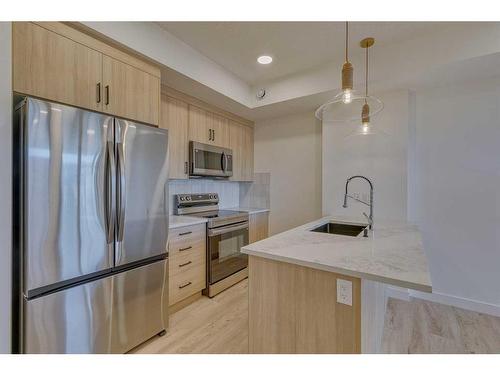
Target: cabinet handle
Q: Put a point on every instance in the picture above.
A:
(99, 92)
(185, 167)
(185, 264)
(185, 233)
(106, 93)
(186, 248)
(185, 285)
(213, 135)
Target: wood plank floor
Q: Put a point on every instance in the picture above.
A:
(419, 326)
(217, 325)
(220, 325)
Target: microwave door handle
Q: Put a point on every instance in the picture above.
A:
(226, 163)
(222, 161)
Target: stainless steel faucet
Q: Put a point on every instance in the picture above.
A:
(370, 204)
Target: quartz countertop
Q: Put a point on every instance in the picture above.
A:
(392, 253)
(178, 221)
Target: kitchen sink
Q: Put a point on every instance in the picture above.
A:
(340, 228)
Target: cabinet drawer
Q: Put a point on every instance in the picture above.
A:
(186, 238)
(186, 283)
(184, 261)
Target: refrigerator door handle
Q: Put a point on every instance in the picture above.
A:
(110, 192)
(121, 191)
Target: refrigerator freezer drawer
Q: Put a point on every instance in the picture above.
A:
(109, 315)
(140, 301)
(75, 320)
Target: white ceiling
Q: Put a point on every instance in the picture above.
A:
(295, 46)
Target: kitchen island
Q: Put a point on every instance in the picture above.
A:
(312, 292)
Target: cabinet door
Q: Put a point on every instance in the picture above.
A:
(174, 117)
(247, 152)
(199, 125)
(220, 130)
(53, 67)
(258, 226)
(241, 142)
(129, 92)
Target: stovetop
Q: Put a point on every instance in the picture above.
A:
(206, 205)
(218, 214)
(221, 218)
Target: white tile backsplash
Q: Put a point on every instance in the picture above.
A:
(256, 194)
(229, 191)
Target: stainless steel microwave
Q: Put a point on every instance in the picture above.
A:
(209, 160)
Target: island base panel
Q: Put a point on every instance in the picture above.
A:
(294, 309)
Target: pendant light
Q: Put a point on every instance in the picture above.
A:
(347, 106)
(365, 127)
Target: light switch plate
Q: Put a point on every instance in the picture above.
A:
(344, 292)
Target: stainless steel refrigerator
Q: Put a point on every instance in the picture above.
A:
(90, 230)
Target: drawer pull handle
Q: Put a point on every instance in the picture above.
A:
(185, 285)
(185, 264)
(185, 233)
(186, 248)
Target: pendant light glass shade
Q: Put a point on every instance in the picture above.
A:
(337, 110)
(349, 105)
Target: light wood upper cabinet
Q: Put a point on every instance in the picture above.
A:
(129, 92)
(241, 142)
(174, 117)
(220, 130)
(51, 66)
(199, 125)
(207, 127)
(54, 61)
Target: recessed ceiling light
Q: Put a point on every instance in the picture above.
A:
(265, 59)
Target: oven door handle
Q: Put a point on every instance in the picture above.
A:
(232, 228)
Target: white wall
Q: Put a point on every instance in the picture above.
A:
(5, 184)
(381, 157)
(457, 199)
(289, 148)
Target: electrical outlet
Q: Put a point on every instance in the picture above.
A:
(344, 292)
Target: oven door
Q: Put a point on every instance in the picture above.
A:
(208, 160)
(224, 249)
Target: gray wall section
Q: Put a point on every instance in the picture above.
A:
(5, 183)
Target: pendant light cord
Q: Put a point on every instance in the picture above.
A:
(346, 40)
(366, 76)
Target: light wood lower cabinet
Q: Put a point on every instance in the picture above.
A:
(187, 262)
(174, 117)
(294, 309)
(129, 92)
(53, 67)
(258, 226)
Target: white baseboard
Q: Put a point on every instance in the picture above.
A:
(464, 303)
(445, 299)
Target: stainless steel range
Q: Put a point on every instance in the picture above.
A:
(227, 233)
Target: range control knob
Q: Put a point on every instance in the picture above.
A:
(182, 198)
